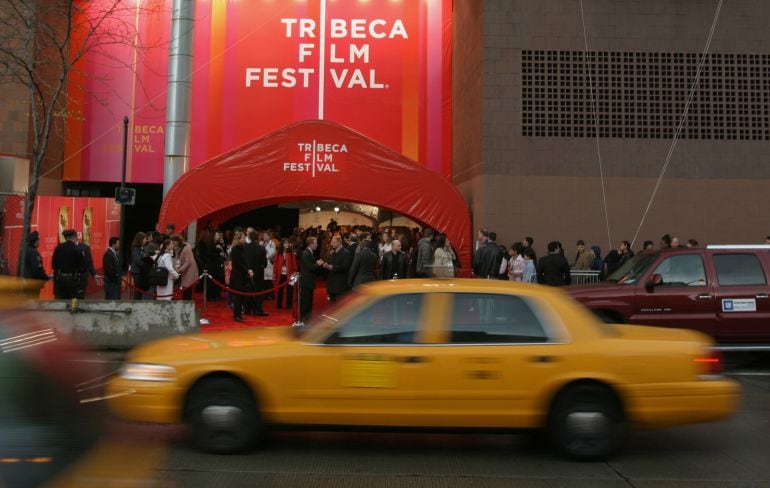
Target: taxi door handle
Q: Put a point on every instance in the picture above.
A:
(704, 297)
(762, 295)
(544, 359)
(414, 359)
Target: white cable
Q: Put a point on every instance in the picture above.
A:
(682, 119)
(596, 127)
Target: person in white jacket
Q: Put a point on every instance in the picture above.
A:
(270, 250)
(166, 260)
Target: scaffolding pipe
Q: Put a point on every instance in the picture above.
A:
(179, 97)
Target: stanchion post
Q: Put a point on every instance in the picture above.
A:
(205, 289)
(298, 317)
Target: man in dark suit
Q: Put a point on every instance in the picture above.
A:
(256, 258)
(553, 269)
(34, 269)
(352, 246)
(112, 272)
(338, 266)
(394, 263)
(308, 267)
(88, 270)
(364, 262)
(486, 259)
(68, 263)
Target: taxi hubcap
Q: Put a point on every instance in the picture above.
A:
(587, 423)
(222, 416)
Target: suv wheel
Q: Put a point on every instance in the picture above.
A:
(585, 422)
(223, 416)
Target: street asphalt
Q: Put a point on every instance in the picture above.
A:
(731, 453)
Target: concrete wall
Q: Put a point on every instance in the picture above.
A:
(97, 325)
(14, 120)
(549, 186)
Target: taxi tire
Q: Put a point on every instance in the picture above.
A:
(241, 434)
(595, 404)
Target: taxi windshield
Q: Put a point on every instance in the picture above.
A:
(633, 269)
(331, 315)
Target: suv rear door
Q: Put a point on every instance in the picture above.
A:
(742, 303)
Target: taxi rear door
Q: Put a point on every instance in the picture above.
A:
(496, 352)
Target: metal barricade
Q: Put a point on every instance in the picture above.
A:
(581, 277)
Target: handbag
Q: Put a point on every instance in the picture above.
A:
(158, 276)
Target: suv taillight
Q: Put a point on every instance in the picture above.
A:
(711, 362)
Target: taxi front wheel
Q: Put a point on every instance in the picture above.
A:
(586, 422)
(223, 416)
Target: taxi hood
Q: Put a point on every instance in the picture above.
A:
(257, 336)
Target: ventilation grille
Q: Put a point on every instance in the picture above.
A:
(643, 95)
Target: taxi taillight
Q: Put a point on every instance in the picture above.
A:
(711, 362)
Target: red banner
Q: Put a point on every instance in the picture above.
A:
(95, 220)
(114, 80)
(382, 68)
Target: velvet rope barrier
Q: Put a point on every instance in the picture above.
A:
(249, 294)
(155, 295)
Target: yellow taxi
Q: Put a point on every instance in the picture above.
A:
(454, 354)
(51, 429)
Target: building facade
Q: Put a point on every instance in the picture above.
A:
(565, 112)
(533, 164)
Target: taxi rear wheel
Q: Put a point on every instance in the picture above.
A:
(586, 422)
(223, 416)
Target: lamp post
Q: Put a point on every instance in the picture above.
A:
(123, 246)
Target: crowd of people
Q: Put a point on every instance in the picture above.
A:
(73, 264)
(520, 263)
(252, 261)
(254, 265)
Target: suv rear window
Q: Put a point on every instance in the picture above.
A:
(739, 269)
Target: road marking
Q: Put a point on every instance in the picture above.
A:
(749, 373)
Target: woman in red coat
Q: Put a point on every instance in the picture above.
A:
(284, 265)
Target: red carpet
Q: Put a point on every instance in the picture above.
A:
(221, 318)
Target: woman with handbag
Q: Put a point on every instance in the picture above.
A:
(188, 268)
(166, 261)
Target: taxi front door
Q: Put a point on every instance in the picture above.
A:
(373, 369)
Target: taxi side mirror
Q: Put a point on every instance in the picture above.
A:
(655, 280)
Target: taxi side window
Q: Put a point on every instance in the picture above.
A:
(682, 270)
(739, 269)
(479, 318)
(392, 320)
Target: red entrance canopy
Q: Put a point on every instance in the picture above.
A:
(320, 160)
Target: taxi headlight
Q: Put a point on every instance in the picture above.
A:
(147, 372)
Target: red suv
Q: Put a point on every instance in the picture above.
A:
(720, 290)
